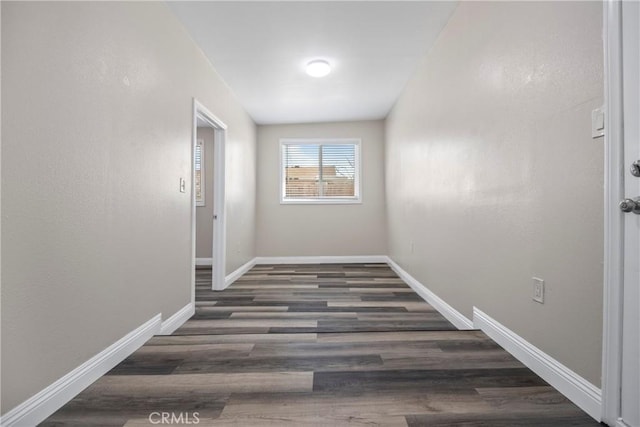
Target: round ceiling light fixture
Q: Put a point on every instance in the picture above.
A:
(318, 68)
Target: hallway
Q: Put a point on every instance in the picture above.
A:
(346, 344)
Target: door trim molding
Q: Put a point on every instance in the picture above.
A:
(219, 205)
(613, 227)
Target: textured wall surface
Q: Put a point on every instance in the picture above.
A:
(97, 124)
(492, 176)
(309, 230)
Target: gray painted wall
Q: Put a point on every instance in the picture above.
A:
(492, 176)
(316, 230)
(204, 214)
(97, 117)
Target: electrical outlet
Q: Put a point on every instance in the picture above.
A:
(538, 290)
(183, 185)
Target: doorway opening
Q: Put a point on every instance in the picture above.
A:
(207, 196)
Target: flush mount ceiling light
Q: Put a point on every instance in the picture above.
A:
(318, 68)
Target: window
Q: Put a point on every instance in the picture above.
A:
(320, 171)
(199, 172)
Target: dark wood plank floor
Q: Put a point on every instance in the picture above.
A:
(319, 345)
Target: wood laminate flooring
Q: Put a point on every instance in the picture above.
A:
(325, 345)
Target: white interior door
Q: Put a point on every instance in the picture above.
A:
(630, 378)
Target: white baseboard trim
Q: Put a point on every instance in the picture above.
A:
(356, 259)
(451, 314)
(580, 391)
(232, 277)
(177, 319)
(204, 261)
(38, 407)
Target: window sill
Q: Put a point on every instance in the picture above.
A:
(357, 201)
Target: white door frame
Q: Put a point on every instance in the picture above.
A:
(219, 217)
(614, 220)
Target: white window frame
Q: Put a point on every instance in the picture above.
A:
(356, 142)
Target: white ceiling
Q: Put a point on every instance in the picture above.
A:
(261, 48)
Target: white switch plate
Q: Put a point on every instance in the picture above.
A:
(183, 185)
(538, 290)
(597, 122)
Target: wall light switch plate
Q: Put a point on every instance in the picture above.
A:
(597, 123)
(538, 290)
(183, 185)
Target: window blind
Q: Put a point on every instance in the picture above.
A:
(199, 172)
(319, 171)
